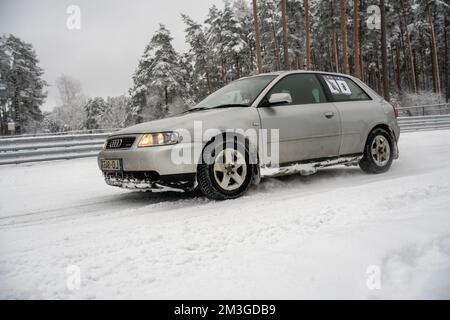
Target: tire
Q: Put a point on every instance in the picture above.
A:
(378, 152)
(225, 171)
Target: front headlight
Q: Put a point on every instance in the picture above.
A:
(158, 139)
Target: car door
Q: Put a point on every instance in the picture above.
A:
(309, 126)
(356, 109)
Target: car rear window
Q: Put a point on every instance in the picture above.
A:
(344, 89)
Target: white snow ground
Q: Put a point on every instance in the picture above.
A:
(289, 238)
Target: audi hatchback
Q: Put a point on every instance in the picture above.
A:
(265, 125)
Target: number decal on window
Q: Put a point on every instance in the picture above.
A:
(344, 87)
(337, 85)
(334, 88)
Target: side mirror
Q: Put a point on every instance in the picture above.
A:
(280, 98)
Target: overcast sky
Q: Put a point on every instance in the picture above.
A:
(104, 53)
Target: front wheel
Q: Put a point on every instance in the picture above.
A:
(378, 152)
(227, 173)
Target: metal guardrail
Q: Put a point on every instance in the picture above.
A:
(54, 147)
(35, 148)
(424, 122)
(62, 133)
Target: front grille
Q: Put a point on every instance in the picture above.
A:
(120, 142)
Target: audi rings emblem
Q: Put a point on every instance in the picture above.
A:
(115, 143)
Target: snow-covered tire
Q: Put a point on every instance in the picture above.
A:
(378, 152)
(225, 179)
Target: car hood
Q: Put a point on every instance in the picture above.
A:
(181, 121)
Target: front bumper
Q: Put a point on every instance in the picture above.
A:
(150, 181)
(153, 168)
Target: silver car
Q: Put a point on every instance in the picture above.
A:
(265, 125)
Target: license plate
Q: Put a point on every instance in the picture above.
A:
(111, 165)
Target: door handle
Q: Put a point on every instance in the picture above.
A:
(329, 114)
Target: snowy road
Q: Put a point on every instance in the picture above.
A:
(292, 237)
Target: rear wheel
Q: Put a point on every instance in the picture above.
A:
(227, 173)
(378, 152)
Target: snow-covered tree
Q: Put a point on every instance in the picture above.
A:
(158, 79)
(223, 48)
(270, 37)
(115, 113)
(69, 113)
(95, 109)
(296, 34)
(198, 58)
(24, 87)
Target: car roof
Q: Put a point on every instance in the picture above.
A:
(279, 73)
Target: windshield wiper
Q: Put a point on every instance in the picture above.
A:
(230, 105)
(195, 109)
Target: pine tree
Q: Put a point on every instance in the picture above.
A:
(115, 113)
(343, 17)
(270, 48)
(257, 37)
(24, 86)
(158, 80)
(284, 28)
(384, 52)
(296, 34)
(406, 35)
(356, 40)
(234, 43)
(200, 58)
(245, 34)
(94, 109)
(307, 35)
(215, 42)
(447, 58)
(323, 29)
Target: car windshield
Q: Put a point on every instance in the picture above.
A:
(240, 92)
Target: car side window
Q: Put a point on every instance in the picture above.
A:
(344, 89)
(303, 88)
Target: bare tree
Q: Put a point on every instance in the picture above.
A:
(70, 113)
(69, 89)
